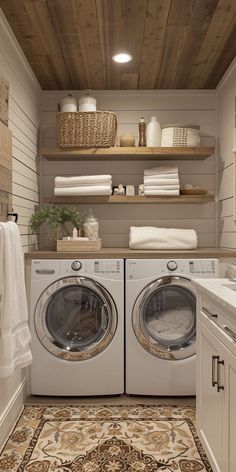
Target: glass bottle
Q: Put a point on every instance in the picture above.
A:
(142, 133)
(91, 226)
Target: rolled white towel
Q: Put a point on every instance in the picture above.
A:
(169, 193)
(163, 182)
(161, 187)
(91, 190)
(149, 237)
(75, 181)
(161, 170)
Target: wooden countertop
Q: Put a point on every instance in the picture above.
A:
(126, 253)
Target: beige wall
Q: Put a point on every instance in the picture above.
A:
(178, 106)
(24, 123)
(225, 94)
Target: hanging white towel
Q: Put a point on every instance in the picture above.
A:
(84, 190)
(149, 237)
(75, 181)
(161, 170)
(163, 192)
(14, 332)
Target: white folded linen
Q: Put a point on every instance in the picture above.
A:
(84, 190)
(75, 181)
(161, 170)
(14, 331)
(162, 176)
(169, 193)
(149, 237)
(163, 182)
(161, 187)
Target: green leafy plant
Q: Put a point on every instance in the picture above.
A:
(56, 218)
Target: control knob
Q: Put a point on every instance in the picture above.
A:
(76, 265)
(172, 265)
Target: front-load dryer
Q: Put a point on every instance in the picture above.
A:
(77, 327)
(161, 324)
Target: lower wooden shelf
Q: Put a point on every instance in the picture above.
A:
(129, 199)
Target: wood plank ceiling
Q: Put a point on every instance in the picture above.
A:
(175, 44)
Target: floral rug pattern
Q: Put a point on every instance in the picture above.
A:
(104, 439)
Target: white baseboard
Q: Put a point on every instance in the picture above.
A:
(13, 410)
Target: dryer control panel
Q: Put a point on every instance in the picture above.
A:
(141, 268)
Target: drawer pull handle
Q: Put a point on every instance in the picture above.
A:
(219, 387)
(45, 271)
(213, 381)
(230, 333)
(208, 313)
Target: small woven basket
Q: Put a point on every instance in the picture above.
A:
(86, 129)
(177, 135)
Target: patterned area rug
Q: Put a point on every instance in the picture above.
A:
(104, 439)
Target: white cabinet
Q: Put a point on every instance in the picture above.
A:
(216, 385)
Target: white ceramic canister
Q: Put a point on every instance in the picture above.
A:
(153, 135)
(87, 103)
(68, 104)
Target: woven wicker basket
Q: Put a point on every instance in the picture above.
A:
(86, 129)
(177, 135)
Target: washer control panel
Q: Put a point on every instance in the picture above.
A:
(137, 269)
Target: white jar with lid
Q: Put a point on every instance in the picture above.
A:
(87, 103)
(68, 104)
(153, 135)
(91, 226)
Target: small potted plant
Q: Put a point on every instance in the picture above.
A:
(56, 219)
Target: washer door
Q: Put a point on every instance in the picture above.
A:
(164, 318)
(75, 318)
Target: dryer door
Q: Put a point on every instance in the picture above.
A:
(75, 318)
(164, 318)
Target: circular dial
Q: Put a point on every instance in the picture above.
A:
(172, 265)
(76, 265)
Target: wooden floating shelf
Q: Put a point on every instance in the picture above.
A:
(128, 153)
(129, 199)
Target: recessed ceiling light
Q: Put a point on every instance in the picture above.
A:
(122, 57)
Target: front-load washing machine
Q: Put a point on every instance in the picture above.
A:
(77, 327)
(161, 324)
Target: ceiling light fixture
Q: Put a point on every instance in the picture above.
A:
(122, 57)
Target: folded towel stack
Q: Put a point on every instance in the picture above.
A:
(149, 237)
(83, 185)
(162, 180)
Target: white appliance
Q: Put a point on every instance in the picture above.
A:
(161, 324)
(77, 327)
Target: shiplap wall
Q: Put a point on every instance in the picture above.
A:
(225, 95)
(24, 119)
(115, 220)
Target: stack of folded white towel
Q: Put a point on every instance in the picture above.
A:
(162, 180)
(83, 185)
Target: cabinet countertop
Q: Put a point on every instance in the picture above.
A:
(221, 291)
(126, 253)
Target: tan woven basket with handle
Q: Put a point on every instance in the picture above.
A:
(86, 129)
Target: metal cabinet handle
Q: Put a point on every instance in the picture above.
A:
(213, 359)
(230, 333)
(208, 313)
(219, 387)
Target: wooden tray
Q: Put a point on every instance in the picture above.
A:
(194, 191)
(80, 246)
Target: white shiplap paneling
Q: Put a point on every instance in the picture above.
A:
(24, 119)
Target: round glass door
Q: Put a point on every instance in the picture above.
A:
(164, 318)
(75, 318)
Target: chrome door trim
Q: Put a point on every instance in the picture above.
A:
(150, 344)
(46, 338)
